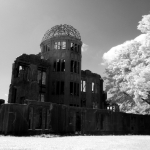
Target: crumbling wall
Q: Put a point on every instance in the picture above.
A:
(27, 80)
(13, 119)
(92, 94)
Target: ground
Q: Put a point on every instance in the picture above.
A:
(50, 142)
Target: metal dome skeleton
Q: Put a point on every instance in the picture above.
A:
(62, 30)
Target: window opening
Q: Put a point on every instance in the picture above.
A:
(55, 45)
(75, 66)
(92, 87)
(84, 86)
(21, 71)
(58, 45)
(48, 48)
(63, 65)
(38, 123)
(57, 88)
(62, 88)
(75, 90)
(58, 65)
(63, 44)
(72, 46)
(71, 88)
(41, 78)
(42, 98)
(54, 66)
(83, 102)
(72, 66)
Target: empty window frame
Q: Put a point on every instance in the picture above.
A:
(54, 66)
(46, 48)
(57, 45)
(41, 97)
(74, 88)
(63, 45)
(74, 66)
(62, 87)
(74, 47)
(62, 65)
(83, 102)
(59, 65)
(71, 88)
(58, 88)
(84, 86)
(41, 78)
(60, 45)
(22, 70)
(93, 87)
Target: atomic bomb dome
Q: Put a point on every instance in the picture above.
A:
(62, 30)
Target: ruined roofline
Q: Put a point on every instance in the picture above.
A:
(89, 73)
(32, 58)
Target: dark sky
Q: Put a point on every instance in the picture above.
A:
(102, 24)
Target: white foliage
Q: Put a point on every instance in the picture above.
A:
(128, 66)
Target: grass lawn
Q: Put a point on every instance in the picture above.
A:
(50, 142)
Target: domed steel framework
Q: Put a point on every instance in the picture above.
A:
(61, 30)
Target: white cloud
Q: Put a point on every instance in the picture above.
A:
(112, 53)
(6, 95)
(84, 47)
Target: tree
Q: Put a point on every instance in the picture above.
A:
(128, 72)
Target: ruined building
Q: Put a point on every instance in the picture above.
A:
(49, 93)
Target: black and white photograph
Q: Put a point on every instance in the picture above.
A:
(74, 74)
